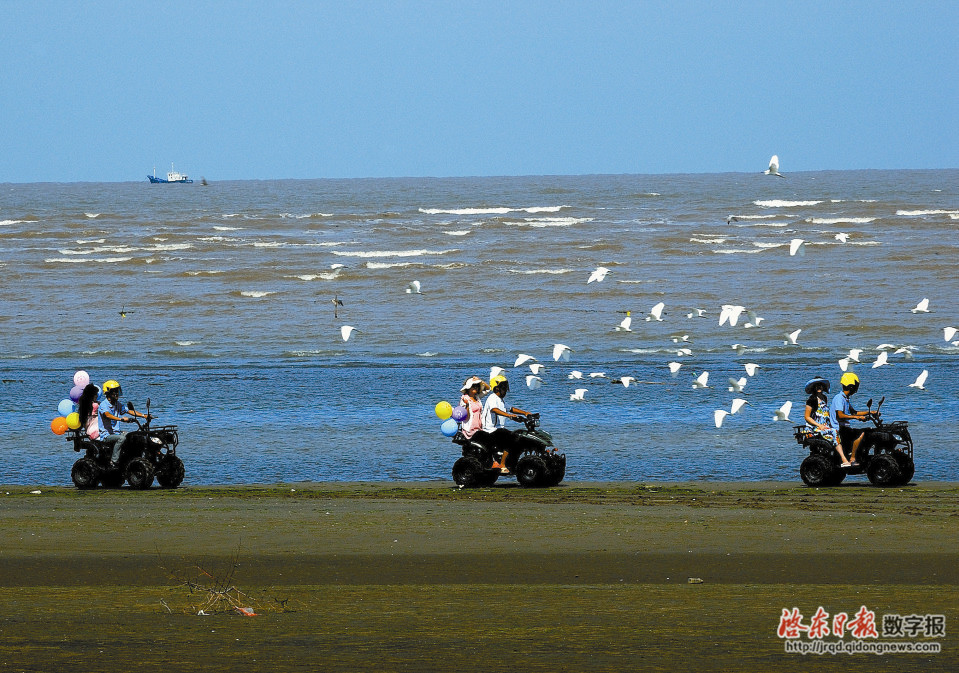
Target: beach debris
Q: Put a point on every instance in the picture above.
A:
(694, 580)
(37, 492)
(246, 612)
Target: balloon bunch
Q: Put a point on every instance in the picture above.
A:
(69, 418)
(451, 417)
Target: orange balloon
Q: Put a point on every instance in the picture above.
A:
(58, 425)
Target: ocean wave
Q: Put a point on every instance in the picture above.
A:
(534, 272)
(7, 223)
(92, 216)
(918, 213)
(779, 203)
(255, 293)
(304, 217)
(205, 272)
(314, 276)
(186, 343)
(73, 260)
(840, 220)
(427, 354)
(91, 241)
(390, 265)
(708, 241)
(764, 224)
(268, 244)
(768, 246)
(461, 232)
(392, 253)
(491, 211)
(541, 222)
(751, 217)
(222, 228)
(736, 251)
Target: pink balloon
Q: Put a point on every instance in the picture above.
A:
(81, 378)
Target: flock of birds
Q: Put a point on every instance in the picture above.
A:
(729, 314)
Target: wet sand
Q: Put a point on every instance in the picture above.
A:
(423, 576)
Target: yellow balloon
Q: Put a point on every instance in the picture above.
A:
(443, 410)
(73, 420)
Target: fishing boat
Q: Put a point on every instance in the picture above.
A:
(172, 176)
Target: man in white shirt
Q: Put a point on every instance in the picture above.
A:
(494, 421)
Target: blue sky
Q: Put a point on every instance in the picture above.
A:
(105, 91)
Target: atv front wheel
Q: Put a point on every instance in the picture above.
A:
(883, 470)
(85, 474)
(467, 472)
(139, 474)
(556, 465)
(531, 471)
(170, 472)
(907, 468)
(816, 471)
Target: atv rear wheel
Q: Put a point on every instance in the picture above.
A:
(883, 470)
(139, 474)
(531, 471)
(907, 468)
(170, 472)
(85, 474)
(816, 471)
(468, 473)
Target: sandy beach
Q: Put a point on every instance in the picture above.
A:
(424, 576)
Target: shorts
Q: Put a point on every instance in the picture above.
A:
(847, 435)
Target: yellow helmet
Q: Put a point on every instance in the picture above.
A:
(496, 380)
(848, 380)
(110, 385)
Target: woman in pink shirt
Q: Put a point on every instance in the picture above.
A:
(472, 390)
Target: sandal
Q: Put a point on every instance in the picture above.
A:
(846, 464)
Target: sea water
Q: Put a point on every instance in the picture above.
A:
(232, 332)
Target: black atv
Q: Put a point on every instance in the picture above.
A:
(147, 453)
(885, 454)
(533, 458)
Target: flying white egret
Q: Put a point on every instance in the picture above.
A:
(578, 394)
(346, 331)
(575, 374)
(773, 167)
(782, 414)
(842, 237)
(844, 364)
(597, 375)
(796, 247)
(624, 325)
(739, 348)
(854, 354)
(536, 368)
(697, 313)
(948, 333)
(494, 372)
(921, 307)
(522, 359)
(680, 337)
(730, 313)
(533, 382)
(656, 312)
(905, 351)
(881, 359)
(701, 381)
(684, 351)
(793, 338)
(674, 367)
(737, 385)
(754, 320)
(718, 417)
(737, 405)
(920, 381)
(561, 352)
(598, 275)
(625, 380)
(751, 368)
(414, 288)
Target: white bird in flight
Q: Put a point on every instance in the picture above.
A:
(701, 380)
(796, 247)
(737, 405)
(684, 351)
(793, 338)
(575, 374)
(730, 313)
(561, 352)
(598, 275)
(680, 337)
(773, 167)
(625, 380)
(674, 367)
(948, 333)
(920, 381)
(718, 417)
(782, 414)
(597, 375)
(844, 364)
(534, 382)
(623, 326)
(737, 385)
(494, 372)
(578, 394)
(697, 313)
(751, 368)
(881, 359)
(842, 237)
(522, 359)
(536, 368)
(414, 288)
(921, 307)
(656, 312)
(739, 348)
(854, 354)
(346, 331)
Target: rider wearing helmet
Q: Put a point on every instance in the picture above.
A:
(494, 420)
(111, 414)
(841, 412)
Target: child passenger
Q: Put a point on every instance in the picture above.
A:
(472, 390)
(817, 415)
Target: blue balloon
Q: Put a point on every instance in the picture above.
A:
(66, 407)
(449, 427)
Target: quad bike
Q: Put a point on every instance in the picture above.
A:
(532, 458)
(147, 453)
(884, 454)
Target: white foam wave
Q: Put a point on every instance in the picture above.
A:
(91, 241)
(754, 217)
(461, 232)
(764, 224)
(6, 223)
(232, 215)
(491, 211)
(185, 343)
(269, 244)
(390, 265)
(541, 222)
(766, 246)
(918, 213)
(864, 243)
(733, 251)
(427, 354)
(708, 241)
(304, 217)
(205, 272)
(534, 272)
(391, 253)
(255, 293)
(840, 220)
(169, 246)
(92, 216)
(779, 203)
(954, 216)
(222, 228)
(102, 260)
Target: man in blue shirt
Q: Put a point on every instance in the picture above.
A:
(841, 412)
(111, 414)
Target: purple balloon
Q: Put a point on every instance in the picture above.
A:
(460, 414)
(75, 392)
